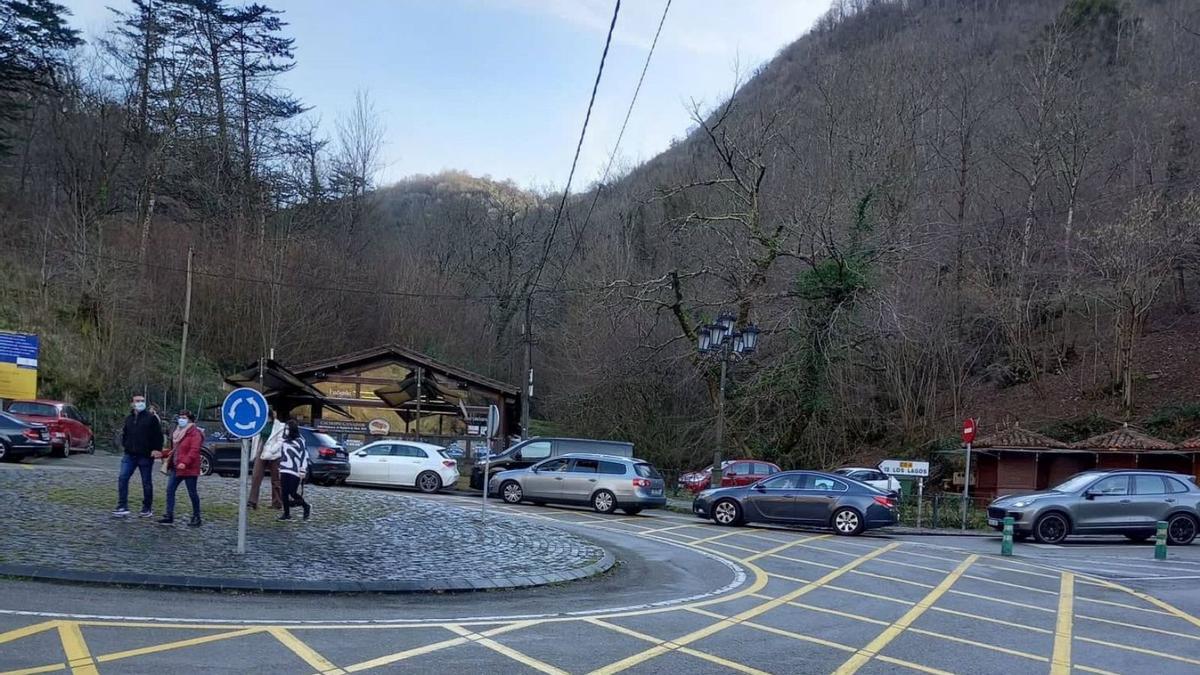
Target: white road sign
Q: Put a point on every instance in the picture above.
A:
(904, 467)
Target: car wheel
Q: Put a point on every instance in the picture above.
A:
(1051, 528)
(429, 482)
(511, 492)
(66, 448)
(727, 512)
(631, 512)
(847, 522)
(1181, 530)
(205, 464)
(3, 453)
(91, 446)
(604, 502)
(1138, 537)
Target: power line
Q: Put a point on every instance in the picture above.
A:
(616, 146)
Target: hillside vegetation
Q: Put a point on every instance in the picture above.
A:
(933, 208)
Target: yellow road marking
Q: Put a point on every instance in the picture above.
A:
(783, 547)
(715, 537)
(914, 666)
(981, 645)
(141, 651)
(891, 632)
(1002, 622)
(746, 549)
(1010, 585)
(668, 529)
(310, 655)
(1134, 625)
(76, 649)
(927, 568)
(1061, 663)
(18, 633)
(798, 636)
(1123, 605)
(1098, 671)
(1169, 609)
(733, 665)
(520, 657)
(1139, 650)
(1002, 601)
(805, 562)
(1017, 571)
(896, 580)
(40, 669)
(836, 612)
(436, 646)
(745, 615)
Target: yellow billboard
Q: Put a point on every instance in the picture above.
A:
(18, 365)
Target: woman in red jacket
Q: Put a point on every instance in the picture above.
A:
(184, 463)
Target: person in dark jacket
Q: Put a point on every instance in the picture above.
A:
(293, 466)
(184, 463)
(141, 437)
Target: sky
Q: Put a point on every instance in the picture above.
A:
(499, 88)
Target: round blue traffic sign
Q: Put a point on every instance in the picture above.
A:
(244, 412)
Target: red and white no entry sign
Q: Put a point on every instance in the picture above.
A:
(968, 434)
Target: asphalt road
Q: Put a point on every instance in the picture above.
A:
(687, 596)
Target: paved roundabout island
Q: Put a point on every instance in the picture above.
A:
(57, 526)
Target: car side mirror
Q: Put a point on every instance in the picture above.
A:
(537, 469)
(759, 487)
(517, 456)
(1089, 495)
(361, 453)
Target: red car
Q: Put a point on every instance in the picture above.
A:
(68, 430)
(734, 472)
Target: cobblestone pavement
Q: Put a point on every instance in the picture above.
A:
(61, 520)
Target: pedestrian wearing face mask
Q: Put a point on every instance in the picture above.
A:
(184, 462)
(293, 467)
(141, 437)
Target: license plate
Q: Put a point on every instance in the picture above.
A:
(656, 491)
(992, 522)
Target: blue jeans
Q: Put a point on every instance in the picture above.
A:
(144, 466)
(173, 484)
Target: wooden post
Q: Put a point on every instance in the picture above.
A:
(187, 313)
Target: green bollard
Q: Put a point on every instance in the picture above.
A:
(1006, 542)
(1160, 541)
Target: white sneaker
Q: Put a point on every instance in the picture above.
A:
(120, 513)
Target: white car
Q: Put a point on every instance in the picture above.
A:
(403, 463)
(872, 477)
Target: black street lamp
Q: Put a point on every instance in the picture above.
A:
(720, 340)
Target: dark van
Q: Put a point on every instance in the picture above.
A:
(531, 451)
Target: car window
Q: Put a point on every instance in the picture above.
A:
(1148, 485)
(380, 450)
(1113, 485)
(411, 451)
(535, 451)
(739, 468)
(646, 471)
(584, 466)
(761, 469)
(786, 482)
(554, 465)
(811, 481)
(317, 438)
(39, 409)
(614, 468)
(1174, 485)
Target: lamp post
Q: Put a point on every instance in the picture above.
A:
(720, 340)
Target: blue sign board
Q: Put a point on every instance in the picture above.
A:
(244, 412)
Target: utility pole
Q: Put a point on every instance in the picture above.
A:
(187, 315)
(527, 394)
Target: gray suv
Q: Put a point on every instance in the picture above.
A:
(605, 482)
(1128, 502)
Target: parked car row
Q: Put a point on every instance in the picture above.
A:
(67, 429)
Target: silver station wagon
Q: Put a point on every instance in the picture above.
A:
(605, 482)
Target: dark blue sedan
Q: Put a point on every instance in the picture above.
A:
(809, 498)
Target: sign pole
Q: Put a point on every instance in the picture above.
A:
(243, 489)
(920, 499)
(966, 487)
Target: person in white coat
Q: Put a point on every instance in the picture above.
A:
(266, 452)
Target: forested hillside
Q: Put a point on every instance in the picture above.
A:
(933, 208)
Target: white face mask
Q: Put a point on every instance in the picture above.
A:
(183, 422)
(139, 406)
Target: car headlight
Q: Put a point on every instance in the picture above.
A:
(1024, 502)
(704, 494)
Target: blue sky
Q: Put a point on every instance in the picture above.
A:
(500, 87)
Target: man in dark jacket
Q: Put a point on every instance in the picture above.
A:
(142, 437)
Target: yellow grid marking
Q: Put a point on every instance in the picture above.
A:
(747, 614)
(40, 669)
(1168, 609)
(896, 580)
(436, 646)
(1134, 625)
(798, 636)
(745, 549)
(1123, 605)
(783, 547)
(1010, 585)
(989, 619)
(805, 562)
(671, 646)
(843, 589)
(1061, 663)
(670, 529)
(836, 612)
(909, 664)
(981, 645)
(1002, 601)
(932, 557)
(310, 655)
(1139, 650)
(141, 651)
(715, 537)
(76, 649)
(1014, 570)
(520, 657)
(893, 631)
(33, 629)
(1098, 671)
(927, 568)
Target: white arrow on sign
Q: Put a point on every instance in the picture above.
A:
(247, 426)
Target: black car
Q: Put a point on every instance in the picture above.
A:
(811, 498)
(22, 439)
(328, 462)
